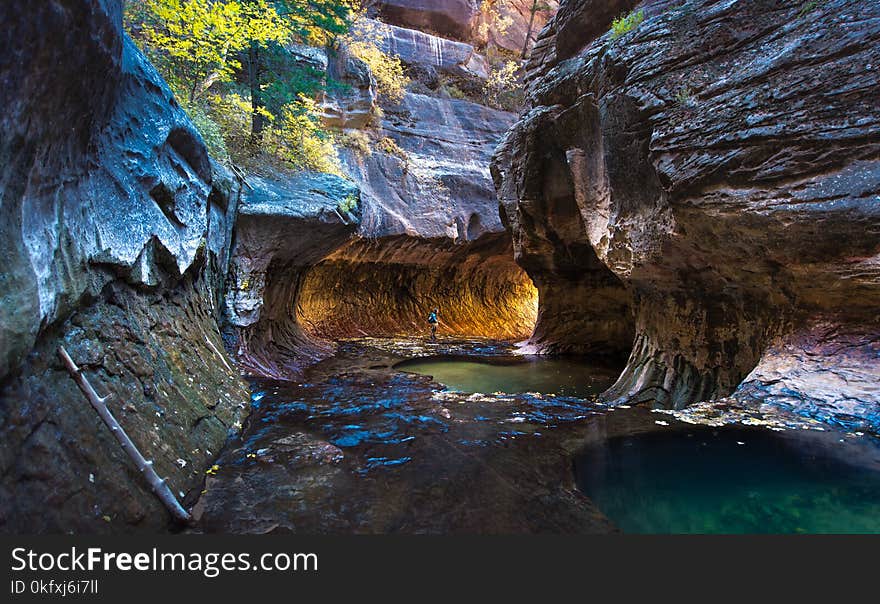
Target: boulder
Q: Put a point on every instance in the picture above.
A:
(351, 104)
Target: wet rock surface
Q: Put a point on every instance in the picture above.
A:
(286, 224)
(362, 448)
(722, 161)
(88, 202)
(114, 239)
(425, 233)
(172, 390)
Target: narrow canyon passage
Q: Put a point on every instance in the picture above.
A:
(646, 237)
(291, 308)
(388, 288)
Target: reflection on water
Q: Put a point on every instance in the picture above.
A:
(710, 480)
(568, 377)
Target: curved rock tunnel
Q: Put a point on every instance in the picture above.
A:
(292, 309)
(387, 287)
(379, 288)
(302, 279)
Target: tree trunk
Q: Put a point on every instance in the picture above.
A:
(532, 12)
(258, 121)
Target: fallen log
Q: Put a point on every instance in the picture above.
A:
(145, 467)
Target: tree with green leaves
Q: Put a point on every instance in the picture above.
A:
(199, 41)
(230, 65)
(312, 22)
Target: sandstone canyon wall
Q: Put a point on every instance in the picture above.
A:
(716, 170)
(425, 232)
(115, 231)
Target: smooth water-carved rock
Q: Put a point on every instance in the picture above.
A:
(114, 241)
(388, 286)
(286, 223)
(827, 369)
(723, 162)
(430, 234)
(88, 201)
(414, 47)
(584, 308)
(433, 179)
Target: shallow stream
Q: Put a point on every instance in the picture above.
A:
(401, 436)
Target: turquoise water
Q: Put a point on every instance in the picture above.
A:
(567, 377)
(705, 481)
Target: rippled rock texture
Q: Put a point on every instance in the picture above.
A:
(388, 287)
(286, 224)
(114, 236)
(720, 163)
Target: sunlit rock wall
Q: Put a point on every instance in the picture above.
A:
(387, 287)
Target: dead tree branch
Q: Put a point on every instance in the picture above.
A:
(144, 467)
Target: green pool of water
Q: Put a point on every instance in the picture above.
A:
(705, 481)
(569, 377)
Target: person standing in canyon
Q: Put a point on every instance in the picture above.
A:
(432, 320)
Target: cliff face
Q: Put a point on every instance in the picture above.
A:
(505, 24)
(719, 168)
(430, 234)
(425, 233)
(114, 238)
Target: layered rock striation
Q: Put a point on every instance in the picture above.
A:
(424, 231)
(115, 235)
(388, 287)
(719, 165)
